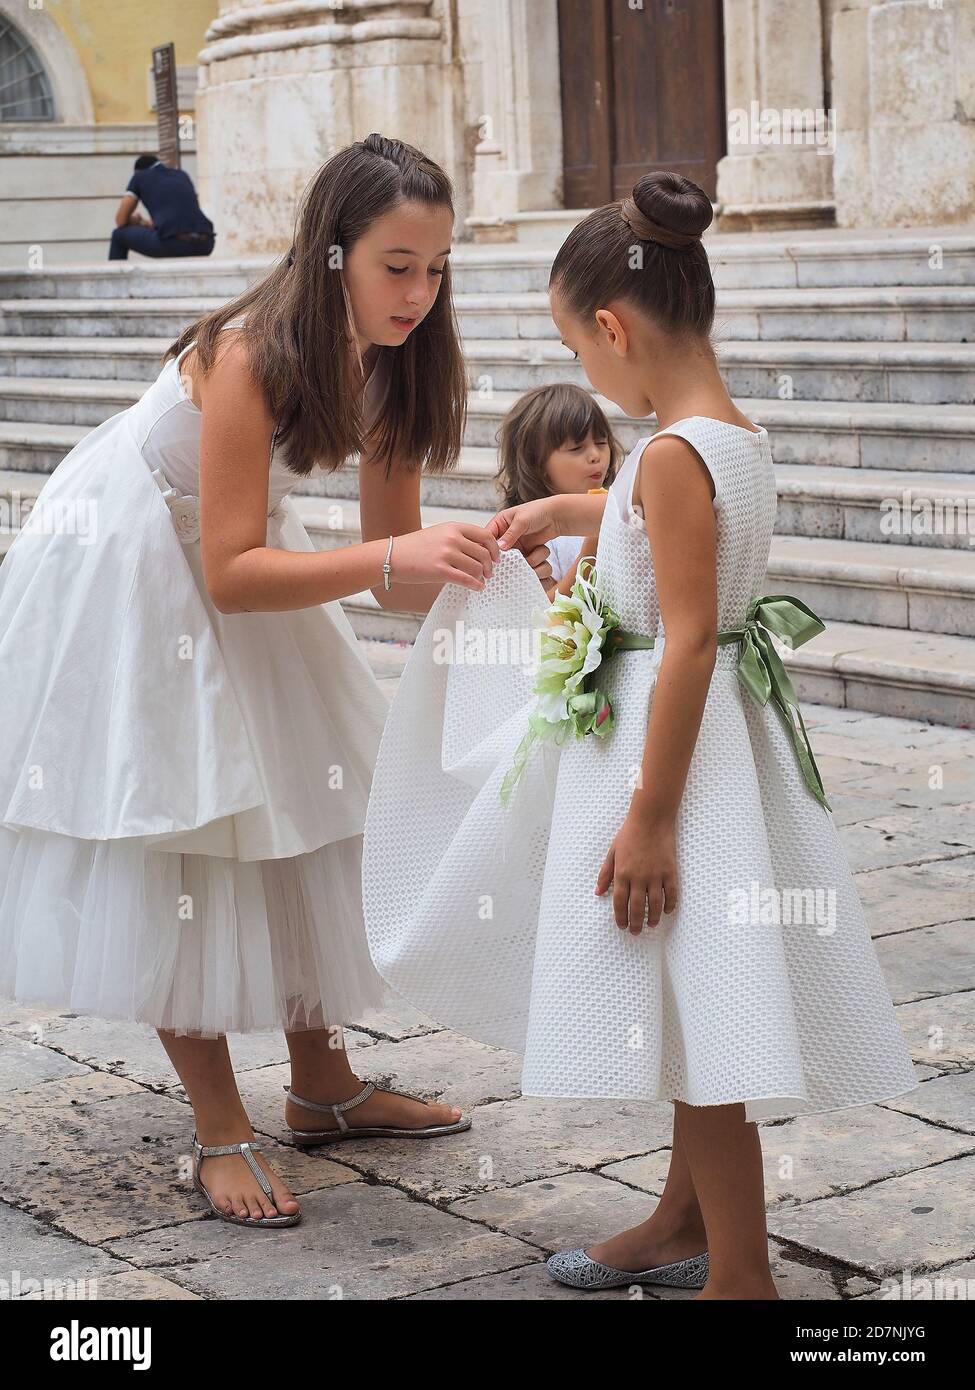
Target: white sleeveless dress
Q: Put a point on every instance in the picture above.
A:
(182, 791)
(487, 919)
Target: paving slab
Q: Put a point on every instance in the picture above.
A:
(36, 1255)
(920, 1220)
(814, 1156)
(952, 1284)
(514, 1141)
(947, 1100)
(899, 837)
(558, 1213)
(120, 1166)
(354, 1242)
(26, 1064)
(929, 960)
(903, 896)
(941, 1031)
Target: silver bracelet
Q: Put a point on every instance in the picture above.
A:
(389, 551)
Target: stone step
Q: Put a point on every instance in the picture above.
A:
(137, 278)
(72, 401)
(822, 259)
(901, 373)
(165, 317)
(882, 506)
(818, 433)
(925, 589)
(888, 314)
(917, 373)
(878, 314)
(855, 434)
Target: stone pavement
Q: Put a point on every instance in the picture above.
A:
(95, 1130)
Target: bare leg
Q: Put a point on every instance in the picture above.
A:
(320, 1071)
(724, 1153)
(674, 1230)
(204, 1067)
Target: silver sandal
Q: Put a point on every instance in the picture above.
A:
(575, 1268)
(307, 1137)
(246, 1151)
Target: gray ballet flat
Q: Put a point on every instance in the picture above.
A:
(575, 1268)
(246, 1151)
(305, 1138)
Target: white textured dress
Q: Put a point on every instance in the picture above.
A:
(182, 791)
(487, 919)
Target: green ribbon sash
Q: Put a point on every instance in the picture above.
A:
(760, 668)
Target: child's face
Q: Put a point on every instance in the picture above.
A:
(393, 272)
(607, 354)
(577, 467)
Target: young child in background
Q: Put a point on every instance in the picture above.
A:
(556, 439)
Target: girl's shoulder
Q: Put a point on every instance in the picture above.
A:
(727, 451)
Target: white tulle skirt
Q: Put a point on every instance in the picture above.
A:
(191, 943)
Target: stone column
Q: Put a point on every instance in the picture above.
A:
(518, 155)
(904, 91)
(778, 169)
(284, 84)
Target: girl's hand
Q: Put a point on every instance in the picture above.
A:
(538, 558)
(527, 526)
(642, 866)
(455, 552)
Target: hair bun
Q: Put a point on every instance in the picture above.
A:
(676, 209)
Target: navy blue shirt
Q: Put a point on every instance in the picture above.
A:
(170, 198)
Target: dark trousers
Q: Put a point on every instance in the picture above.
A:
(148, 242)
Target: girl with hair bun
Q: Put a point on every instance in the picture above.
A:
(654, 904)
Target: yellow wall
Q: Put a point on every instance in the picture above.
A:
(114, 40)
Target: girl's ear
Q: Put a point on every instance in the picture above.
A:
(613, 329)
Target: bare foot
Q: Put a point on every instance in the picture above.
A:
(383, 1108)
(235, 1190)
(647, 1247)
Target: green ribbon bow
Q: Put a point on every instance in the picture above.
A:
(760, 670)
(762, 673)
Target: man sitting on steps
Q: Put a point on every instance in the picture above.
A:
(175, 226)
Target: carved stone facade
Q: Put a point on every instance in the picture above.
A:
(839, 111)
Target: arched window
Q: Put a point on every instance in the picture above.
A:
(25, 92)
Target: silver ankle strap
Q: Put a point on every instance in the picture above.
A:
(338, 1107)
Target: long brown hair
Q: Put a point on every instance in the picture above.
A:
(646, 249)
(539, 422)
(300, 336)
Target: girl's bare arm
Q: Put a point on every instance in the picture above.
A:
(677, 498)
(677, 502)
(392, 508)
(242, 572)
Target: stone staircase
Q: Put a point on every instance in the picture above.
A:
(857, 353)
